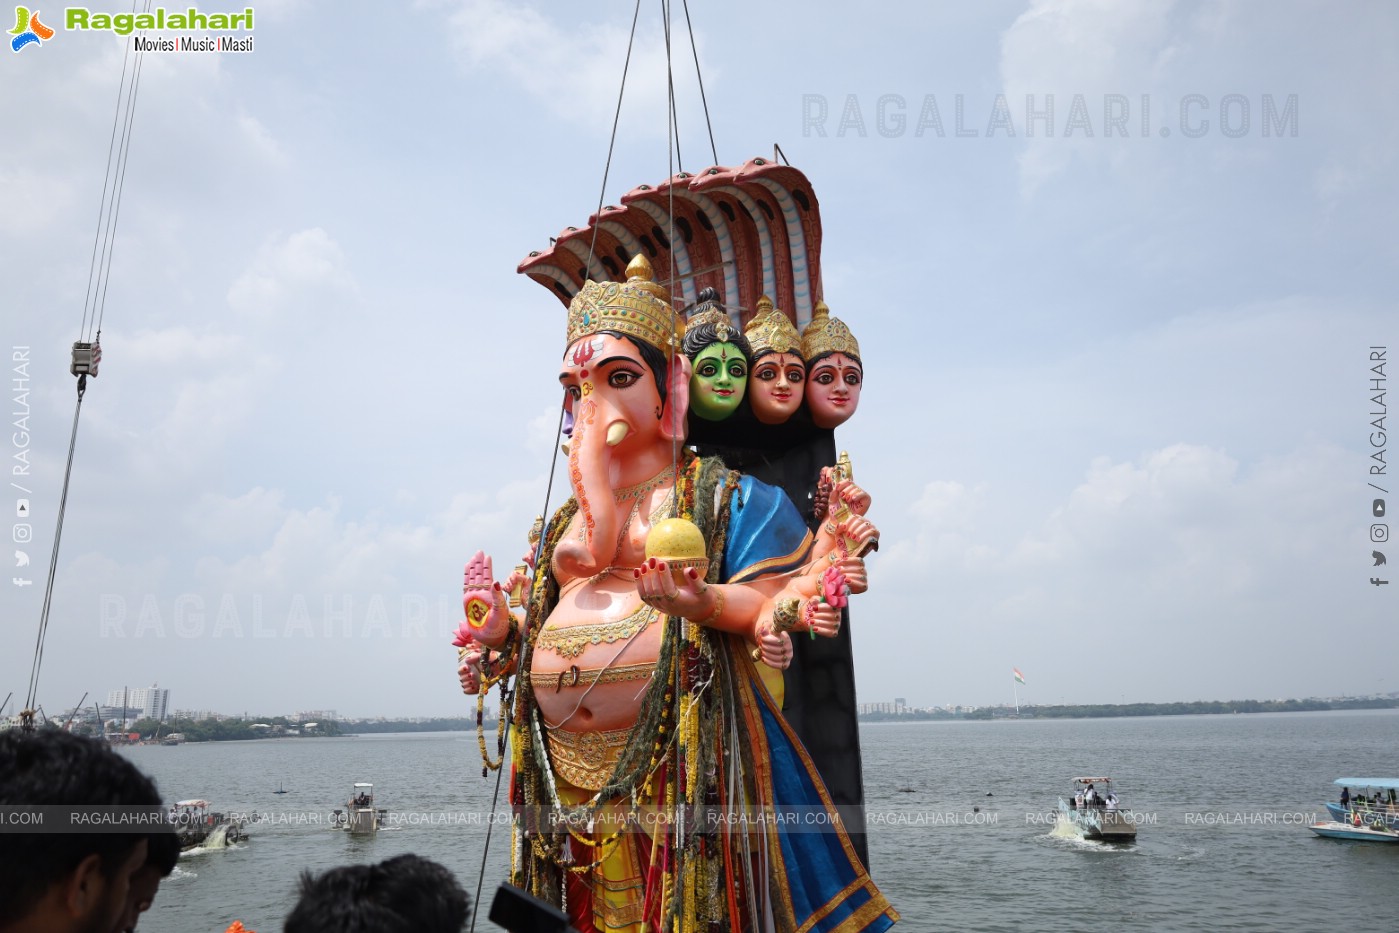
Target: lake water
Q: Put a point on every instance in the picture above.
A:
(1222, 801)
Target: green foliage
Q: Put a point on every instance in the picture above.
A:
(456, 724)
(231, 730)
(1111, 710)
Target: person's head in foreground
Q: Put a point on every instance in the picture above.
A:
(404, 894)
(65, 882)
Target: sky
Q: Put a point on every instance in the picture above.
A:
(1116, 271)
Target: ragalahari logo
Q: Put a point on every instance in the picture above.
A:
(28, 30)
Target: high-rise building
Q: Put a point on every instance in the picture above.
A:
(151, 701)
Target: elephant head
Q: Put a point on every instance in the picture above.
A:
(625, 431)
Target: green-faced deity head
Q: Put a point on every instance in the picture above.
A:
(719, 354)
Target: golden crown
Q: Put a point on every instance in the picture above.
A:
(770, 329)
(638, 307)
(717, 316)
(826, 334)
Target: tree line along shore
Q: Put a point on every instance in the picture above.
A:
(277, 727)
(1117, 710)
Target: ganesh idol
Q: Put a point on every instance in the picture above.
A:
(654, 602)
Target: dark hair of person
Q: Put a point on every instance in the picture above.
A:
(811, 363)
(404, 894)
(49, 767)
(769, 351)
(163, 851)
(697, 338)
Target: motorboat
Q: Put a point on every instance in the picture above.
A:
(198, 825)
(1333, 829)
(1092, 812)
(360, 815)
(1375, 802)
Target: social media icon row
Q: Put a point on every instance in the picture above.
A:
(1379, 533)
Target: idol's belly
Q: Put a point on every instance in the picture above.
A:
(595, 658)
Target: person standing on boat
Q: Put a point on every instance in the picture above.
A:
(1111, 800)
(1345, 797)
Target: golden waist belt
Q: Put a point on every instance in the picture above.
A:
(571, 640)
(586, 759)
(587, 677)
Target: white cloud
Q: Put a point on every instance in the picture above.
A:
(1092, 48)
(575, 69)
(290, 268)
(1156, 556)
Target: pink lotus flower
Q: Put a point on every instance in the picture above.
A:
(834, 589)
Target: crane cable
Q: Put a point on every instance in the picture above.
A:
(87, 350)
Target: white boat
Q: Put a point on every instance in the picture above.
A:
(1374, 801)
(360, 814)
(1093, 812)
(1362, 833)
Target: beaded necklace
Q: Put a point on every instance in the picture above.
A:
(642, 488)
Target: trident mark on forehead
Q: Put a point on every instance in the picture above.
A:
(585, 350)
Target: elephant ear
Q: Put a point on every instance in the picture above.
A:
(677, 401)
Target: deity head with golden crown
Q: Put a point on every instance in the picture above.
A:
(775, 389)
(637, 310)
(834, 371)
(720, 355)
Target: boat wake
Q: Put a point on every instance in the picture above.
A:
(216, 841)
(1064, 836)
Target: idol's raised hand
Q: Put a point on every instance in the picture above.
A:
(487, 615)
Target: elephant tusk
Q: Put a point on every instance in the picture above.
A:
(616, 431)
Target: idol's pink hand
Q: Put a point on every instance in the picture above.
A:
(853, 496)
(821, 618)
(522, 580)
(487, 615)
(852, 570)
(775, 648)
(861, 531)
(469, 669)
(655, 584)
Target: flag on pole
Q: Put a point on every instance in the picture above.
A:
(1019, 677)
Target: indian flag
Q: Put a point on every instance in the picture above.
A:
(1019, 677)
